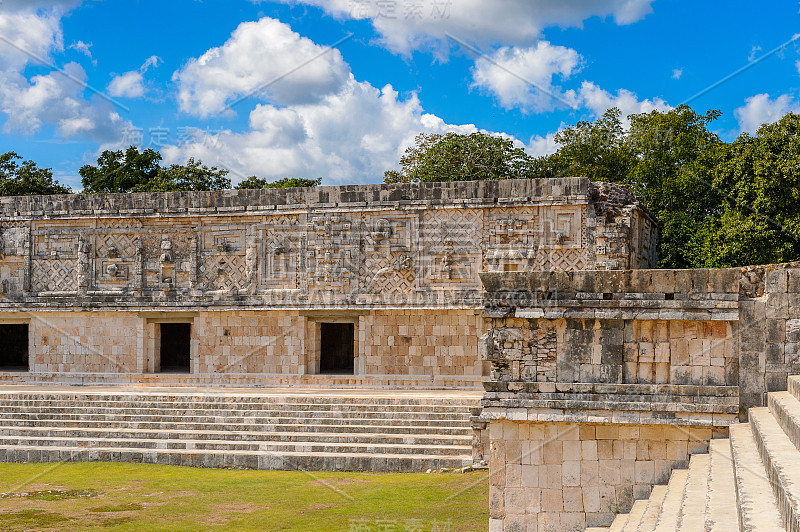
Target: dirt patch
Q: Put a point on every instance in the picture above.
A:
(121, 508)
(239, 507)
(53, 494)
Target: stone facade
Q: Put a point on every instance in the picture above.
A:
(602, 382)
(257, 273)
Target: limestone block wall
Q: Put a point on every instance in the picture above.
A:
(96, 342)
(659, 361)
(258, 271)
(555, 477)
(421, 342)
(249, 342)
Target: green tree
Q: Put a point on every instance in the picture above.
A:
(759, 178)
(597, 150)
(26, 179)
(664, 158)
(287, 182)
(135, 171)
(454, 157)
(192, 176)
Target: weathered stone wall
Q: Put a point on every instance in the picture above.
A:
(627, 354)
(360, 246)
(567, 476)
(252, 267)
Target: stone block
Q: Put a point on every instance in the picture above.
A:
(776, 281)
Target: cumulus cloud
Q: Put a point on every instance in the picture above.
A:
(31, 30)
(351, 136)
(131, 84)
(598, 101)
(408, 26)
(523, 77)
(761, 109)
(264, 57)
(82, 47)
(542, 145)
(56, 98)
(677, 73)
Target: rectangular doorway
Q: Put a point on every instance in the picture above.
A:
(175, 349)
(337, 348)
(14, 347)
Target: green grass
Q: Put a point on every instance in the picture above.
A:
(103, 496)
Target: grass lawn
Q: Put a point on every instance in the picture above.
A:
(103, 496)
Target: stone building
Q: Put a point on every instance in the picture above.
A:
(372, 284)
(603, 382)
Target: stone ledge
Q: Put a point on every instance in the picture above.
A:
(687, 390)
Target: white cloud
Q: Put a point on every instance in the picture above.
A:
(82, 47)
(598, 101)
(753, 51)
(522, 77)
(677, 73)
(131, 84)
(34, 29)
(56, 99)
(350, 136)
(408, 26)
(127, 85)
(539, 146)
(264, 57)
(760, 109)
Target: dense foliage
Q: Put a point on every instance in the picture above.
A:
(287, 182)
(26, 179)
(454, 157)
(718, 204)
(135, 171)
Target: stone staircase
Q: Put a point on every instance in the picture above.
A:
(750, 482)
(324, 430)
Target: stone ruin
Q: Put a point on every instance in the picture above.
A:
(601, 375)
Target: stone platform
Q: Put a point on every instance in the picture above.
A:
(355, 429)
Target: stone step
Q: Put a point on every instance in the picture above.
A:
(721, 487)
(238, 459)
(786, 409)
(670, 509)
(354, 447)
(629, 521)
(238, 405)
(227, 399)
(758, 508)
(693, 508)
(650, 516)
(317, 437)
(243, 427)
(793, 385)
(233, 420)
(196, 412)
(377, 430)
(781, 459)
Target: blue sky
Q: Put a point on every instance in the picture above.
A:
(339, 88)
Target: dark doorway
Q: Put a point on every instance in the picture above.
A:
(175, 342)
(337, 341)
(14, 347)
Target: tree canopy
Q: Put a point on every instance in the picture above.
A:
(287, 182)
(718, 204)
(454, 157)
(26, 179)
(140, 171)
